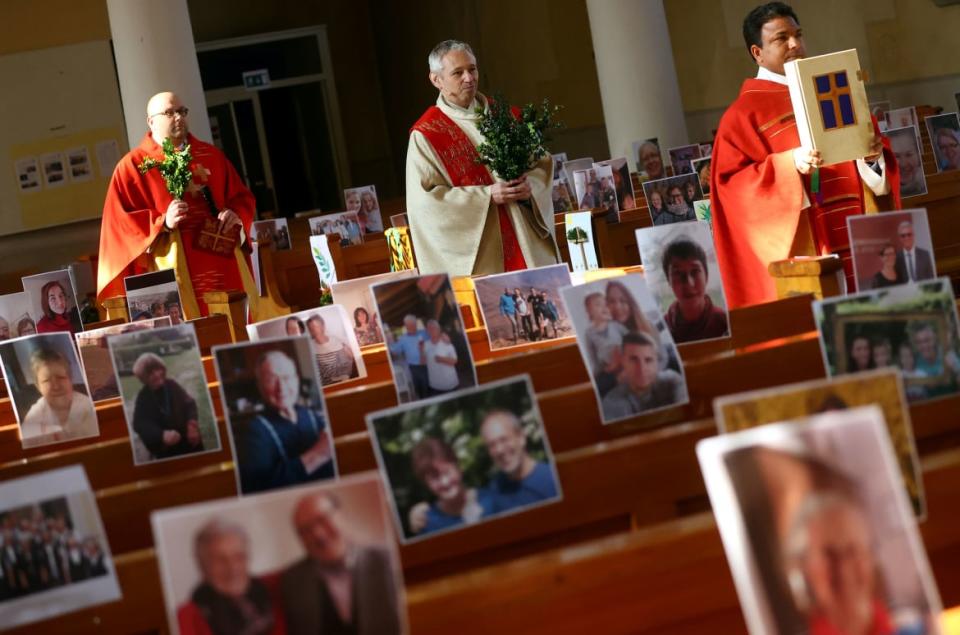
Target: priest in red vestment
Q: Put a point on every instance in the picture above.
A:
(462, 219)
(763, 204)
(145, 229)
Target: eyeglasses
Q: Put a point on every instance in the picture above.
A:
(183, 111)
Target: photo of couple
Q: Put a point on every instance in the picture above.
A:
(892, 248)
(463, 459)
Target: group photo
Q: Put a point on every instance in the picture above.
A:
(671, 200)
(154, 295)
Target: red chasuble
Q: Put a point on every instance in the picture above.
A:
(756, 195)
(462, 162)
(134, 211)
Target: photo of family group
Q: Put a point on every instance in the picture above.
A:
(595, 190)
(681, 270)
(334, 343)
(163, 388)
(890, 249)
(905, 144)
(882, 387)
(318, 558)
(649, 159)
(344, 224)
(621, 182)
(945, 138)
(562, 199)
(46, 386)
(153, 295)
(55, 555)
(671, 200)
(462, 459)
(95, 355)
(818, 531)
(912, 326)
(626, 347)
(273, 403)
(682, 157)
(363, 201)
(520, 307)
(357, 300)
(53, 302)
(274, 232)
(15, 320)
(425, 337)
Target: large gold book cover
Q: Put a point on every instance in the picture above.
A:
(830, 105)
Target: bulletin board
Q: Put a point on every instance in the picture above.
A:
(61, 134)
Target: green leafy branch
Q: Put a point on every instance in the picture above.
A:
(513, 146)
(175, 168)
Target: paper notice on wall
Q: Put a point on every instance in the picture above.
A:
(54, 170)
(78, 160)
(320, 250)
(108, 153)
(28, 174)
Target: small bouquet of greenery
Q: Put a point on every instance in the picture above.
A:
(513, 145)
(175, 168)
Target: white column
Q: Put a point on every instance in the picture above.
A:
(155, 52)
(638, 82)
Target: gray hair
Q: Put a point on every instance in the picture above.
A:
(410, 318)
(435, 59)
(906, 223)
(146, 364)
(272, 356)
(214, 530)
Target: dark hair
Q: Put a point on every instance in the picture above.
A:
(753, 23)
(639, 338)
(683, 249)
(296, 321)
(885, 246)
(426, 452)
(356, 315)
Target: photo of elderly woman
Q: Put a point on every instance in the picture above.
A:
(48, 391)
(164, 393)
(334, 342)
(462, 459)
(53, 303)
(626, 347)
(274, 407)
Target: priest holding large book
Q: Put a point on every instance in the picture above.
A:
(773, 197)
(462, 218)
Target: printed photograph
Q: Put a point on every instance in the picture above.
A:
(54, 170)
(607, 193)
(562, 200)
(681, 270)
(427, 343)
(579, 231)
(319, 558)
(901, 117)
(649, 159)
(586, 183)
(626, 347)
(702, 211)
(891, 248)
(945, 138)
(879, 109)
(164, 393)
(912, 327)
(817, 528)
(520, 307)
(357, 300)
(53, 302)
(671, 200)
(701, 167)
(558, 160)
(905, 143)
(571, 166)
(56, 558)
(274, 232)
(463, 459)
(363, 201)
(15, 320)
(152, 295)
(882, 387)
(95, 355)
(273, 404)
(45, 384)
(344, 224)
(621, 182)
(681, 158)
(334, 343)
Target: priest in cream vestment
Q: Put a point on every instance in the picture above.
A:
(463, 220)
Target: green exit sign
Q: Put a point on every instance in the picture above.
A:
(256, 80)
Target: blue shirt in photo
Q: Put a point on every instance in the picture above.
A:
(509, 494)
(437, 519)
(409, 345)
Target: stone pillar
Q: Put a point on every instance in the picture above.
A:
(638, 81)
(154, 50)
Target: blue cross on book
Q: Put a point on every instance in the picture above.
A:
(836, 105)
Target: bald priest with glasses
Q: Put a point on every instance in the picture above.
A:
(145, 228)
